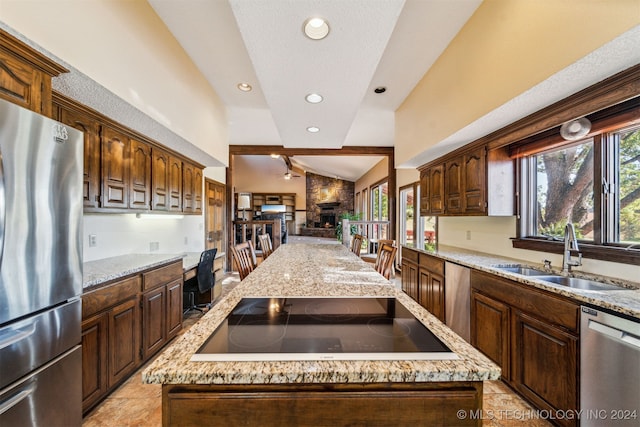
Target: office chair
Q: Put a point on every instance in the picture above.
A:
(203, 281)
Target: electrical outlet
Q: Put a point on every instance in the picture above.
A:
(186, 240)
(154, 246)
(468, 235)
(93, 240)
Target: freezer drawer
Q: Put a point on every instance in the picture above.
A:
(30, 343)
(50, 396)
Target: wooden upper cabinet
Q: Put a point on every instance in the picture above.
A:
(187, 187)
(436, 190)
(115, 177)
(197, 190)
(475, 182)
(91, 174)
(160, 180)
(140, 175)
(25, 75)
(425, 205)
(453, 186)
(175, 184)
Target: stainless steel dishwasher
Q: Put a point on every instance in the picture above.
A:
(609, 369)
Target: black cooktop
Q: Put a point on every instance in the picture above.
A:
(355, 328)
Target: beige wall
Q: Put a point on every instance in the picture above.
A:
(127, 49)
(251, 180)
(373, 175)
(505, 48)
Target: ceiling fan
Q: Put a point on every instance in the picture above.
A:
(288, 174)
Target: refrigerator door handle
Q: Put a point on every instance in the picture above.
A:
(16, 335)
(17, 398)
(3, 209)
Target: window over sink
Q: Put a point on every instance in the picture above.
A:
(592, 182)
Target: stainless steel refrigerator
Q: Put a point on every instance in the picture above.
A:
(41, 182)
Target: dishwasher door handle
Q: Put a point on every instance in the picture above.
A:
(615, 333)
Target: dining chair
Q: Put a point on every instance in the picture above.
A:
(265, 244)
(243, 258)
(385, 259)
(356, 243)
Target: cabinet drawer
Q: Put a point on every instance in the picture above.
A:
(103, 298)
(409, 255)
(552, 309)
(162, 275)
(431, 263)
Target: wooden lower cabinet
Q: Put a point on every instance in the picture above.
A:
(388, 404)
(124, 323)
(409, 277)
(423, 280)
(545, 367)
(490, 330)
(123, 341)
(533, 336)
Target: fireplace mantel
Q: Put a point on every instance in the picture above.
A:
(328, 205)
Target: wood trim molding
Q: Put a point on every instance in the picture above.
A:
(14, 46)
(599, 252)
(279, 149)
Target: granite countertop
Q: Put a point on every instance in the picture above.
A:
(192, 259)
(625, 301)
(98, 272)
(314, 270)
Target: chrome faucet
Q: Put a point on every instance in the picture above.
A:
(570, 244)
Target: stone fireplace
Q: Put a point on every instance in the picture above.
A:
(327, 199)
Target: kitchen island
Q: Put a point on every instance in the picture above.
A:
(318, 392)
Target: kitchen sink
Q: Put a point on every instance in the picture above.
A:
(522, 270)
(584, 284)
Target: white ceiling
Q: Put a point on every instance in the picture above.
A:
(372, 43)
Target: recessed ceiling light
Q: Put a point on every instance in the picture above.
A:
(313, 98)
(245, 87)
(316, 28)
(380, 89)
(313, 129)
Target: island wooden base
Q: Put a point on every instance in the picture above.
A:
(389, 404)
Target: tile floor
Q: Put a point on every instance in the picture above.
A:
(135, 404)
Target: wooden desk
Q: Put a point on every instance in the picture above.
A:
(190, 269)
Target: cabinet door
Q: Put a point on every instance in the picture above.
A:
(91, 169)
(174, 308)
(188, 180)
(124, 344)
(154, 334)
(140, 175)
(545, 364)
(436, 189)
(94, 359)
(474, 182)
(115, 177)
(410, 279)
(453, 186)
(23, 83)
(425, 201)
(159, 180)
(175, 184)
(436, 295)
(490, 330)
(197, 190)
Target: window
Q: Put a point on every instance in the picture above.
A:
(407, 216)
(593, 183)
(415, 231)
(380, 209)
